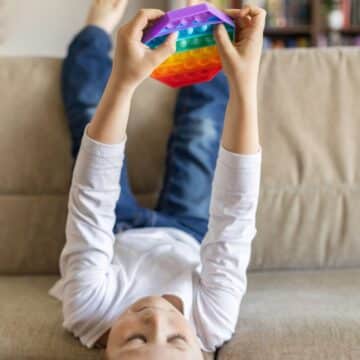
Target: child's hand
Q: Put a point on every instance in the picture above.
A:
(134, 61)
(241, 59)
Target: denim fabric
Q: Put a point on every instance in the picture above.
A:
(192, 147)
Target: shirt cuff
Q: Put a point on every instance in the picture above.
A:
(237, 161)
(99, 149)
(98, 165)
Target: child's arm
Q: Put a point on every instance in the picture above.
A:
(241, 64)
(225, 251)
(133, 63)
(91, 285)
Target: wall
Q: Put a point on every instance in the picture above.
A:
(45, 27)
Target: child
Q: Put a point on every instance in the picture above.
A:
(151, 290)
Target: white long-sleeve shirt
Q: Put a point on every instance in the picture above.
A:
(102, 274)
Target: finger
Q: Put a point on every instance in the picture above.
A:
(141, 20)
(252, 18)
(165, 50)
(256, 14)
(252, 11)
(246, 10)
(224, 43)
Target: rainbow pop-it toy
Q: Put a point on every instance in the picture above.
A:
(196, 58)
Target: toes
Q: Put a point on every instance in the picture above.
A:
(117, 3)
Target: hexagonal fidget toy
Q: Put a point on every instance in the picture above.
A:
(196, 58)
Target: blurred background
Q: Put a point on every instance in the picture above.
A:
(45, 27)
(308, 23)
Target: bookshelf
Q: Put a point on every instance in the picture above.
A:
(353, 30)
(316, 32)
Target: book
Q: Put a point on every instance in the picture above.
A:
(291, 42)
(346, 9)
(350, 11)
(284, 13)
(355, 12)
(276, 13)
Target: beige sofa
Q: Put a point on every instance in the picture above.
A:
(304, 287)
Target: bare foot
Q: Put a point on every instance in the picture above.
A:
(106, 14)
(196, 2)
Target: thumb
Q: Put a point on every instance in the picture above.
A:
(224, 43)
(165, 50)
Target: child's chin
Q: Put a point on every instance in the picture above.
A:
(150, 301)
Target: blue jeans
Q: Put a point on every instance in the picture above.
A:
(192, 148)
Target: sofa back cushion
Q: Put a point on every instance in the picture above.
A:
(35, 166)
(309, 121)
(309, 214)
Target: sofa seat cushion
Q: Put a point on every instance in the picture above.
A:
(299, 316)
(31, 323)
(285, 315)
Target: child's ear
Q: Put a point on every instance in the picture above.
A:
(175, 301)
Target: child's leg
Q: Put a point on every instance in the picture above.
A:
(84, 76)
(85, 73)
(192, 153)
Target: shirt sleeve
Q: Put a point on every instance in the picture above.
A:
(90, 281)
(225, 251)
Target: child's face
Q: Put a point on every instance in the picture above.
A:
(152, 328)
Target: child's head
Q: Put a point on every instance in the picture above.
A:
(152, 328)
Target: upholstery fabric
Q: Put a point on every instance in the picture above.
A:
(36, 165)
(298, 315)
(285, 315)
(309, 123)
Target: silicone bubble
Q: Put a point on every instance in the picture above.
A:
(196, 58)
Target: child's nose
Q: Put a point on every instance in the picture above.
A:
(151, 316)
(157, 324)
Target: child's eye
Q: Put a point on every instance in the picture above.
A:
(177, 338)
(140, 338)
